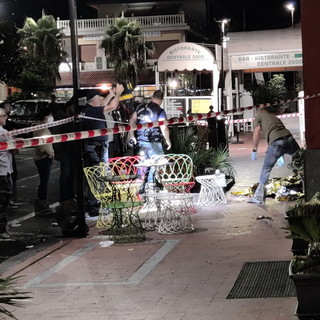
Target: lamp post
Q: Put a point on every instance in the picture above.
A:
(223, 24)
(291, 8)
(76, 86)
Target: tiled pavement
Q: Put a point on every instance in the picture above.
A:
(180, 276)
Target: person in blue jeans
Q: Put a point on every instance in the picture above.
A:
(150, 140)
(280, 142)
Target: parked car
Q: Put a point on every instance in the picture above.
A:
(27, 110)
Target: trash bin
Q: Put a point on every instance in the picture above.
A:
(217, 135)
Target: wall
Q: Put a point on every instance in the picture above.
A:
(310, 27)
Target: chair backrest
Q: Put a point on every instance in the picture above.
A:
(96, 184)
(180, 169)
(125, 165)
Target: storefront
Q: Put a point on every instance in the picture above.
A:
(176, 69)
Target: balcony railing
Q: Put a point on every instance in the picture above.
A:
(93, 26)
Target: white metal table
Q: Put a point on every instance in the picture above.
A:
(174, 212)
(211, 191)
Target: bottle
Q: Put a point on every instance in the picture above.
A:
(123, 173)
(220, 178)
(109, 173)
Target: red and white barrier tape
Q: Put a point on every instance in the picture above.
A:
(24, 143)
(37, 127)
(306, 97)
(81, 116)
(283, 116)
(101, 132)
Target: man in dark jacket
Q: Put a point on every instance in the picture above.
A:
(150, 140)
(96, 149)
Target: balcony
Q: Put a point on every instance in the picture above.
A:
(149, 24)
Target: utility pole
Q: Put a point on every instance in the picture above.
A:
(223, 24)
(78, 156)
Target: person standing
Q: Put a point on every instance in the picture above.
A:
(280, 142)
(5, 178)
(96, 148)
(13, 125)
(150, 140)
(43, 158)
(65, 154)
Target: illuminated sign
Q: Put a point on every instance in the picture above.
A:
(200, 105)
(263, 61)
(186, 56)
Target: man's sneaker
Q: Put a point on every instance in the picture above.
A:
(13, 205)
(19, 202)
(41, 208)
(44, 212)
(93, 213)
(5, 236)
(255, 200)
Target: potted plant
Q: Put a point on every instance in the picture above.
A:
(187, 140)
(297, 165)
(220, 161)
(11, 296)
(295, 215)
(192, 141)
(304, 270)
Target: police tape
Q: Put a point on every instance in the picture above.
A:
(65, 137)
(209, 115)
(37, 127)
(235, 121)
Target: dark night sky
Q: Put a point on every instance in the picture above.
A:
(244, 14)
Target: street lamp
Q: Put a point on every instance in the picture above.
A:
(291, 8)
(223, 24)
(78, 153)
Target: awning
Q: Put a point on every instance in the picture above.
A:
(186, 56)
(96, 78)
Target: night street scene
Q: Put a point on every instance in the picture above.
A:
(159, 160)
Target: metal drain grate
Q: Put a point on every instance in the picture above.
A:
(263, 279)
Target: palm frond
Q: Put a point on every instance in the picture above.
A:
(124, 40)
(220, 160)
(9, 295)
(308, 231)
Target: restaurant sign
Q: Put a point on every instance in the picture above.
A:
(186, 56)
(266, 61)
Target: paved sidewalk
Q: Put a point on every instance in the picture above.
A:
(169, 277)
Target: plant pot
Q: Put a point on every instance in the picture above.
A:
(308, 293)
(302, 316)
(230, 183)
(299, 246)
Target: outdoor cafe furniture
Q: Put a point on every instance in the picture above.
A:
(119, 199)
(211, 191)
(174, 212)
(178, 176)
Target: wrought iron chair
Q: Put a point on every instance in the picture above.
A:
(118, 198)
(99, 189)
(177, 176)
(126, 166)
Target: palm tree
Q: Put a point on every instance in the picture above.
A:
(42, 44)
(126, 48)
(10, 62)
